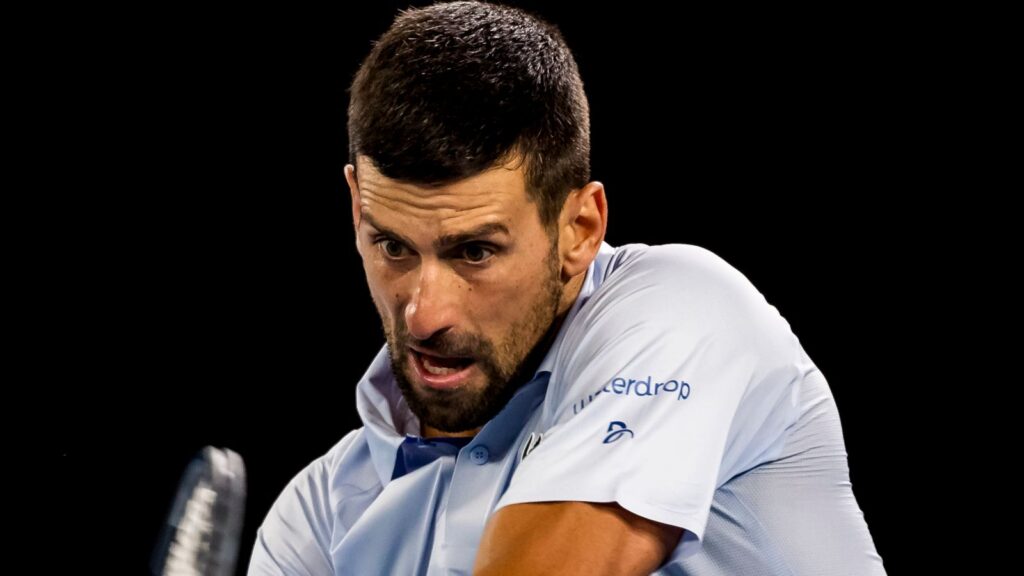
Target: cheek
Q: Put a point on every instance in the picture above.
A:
(498, 307)
(381, 293)
(382, 308)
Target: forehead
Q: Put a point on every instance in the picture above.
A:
(497, 195)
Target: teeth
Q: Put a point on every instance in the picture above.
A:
(437, 370)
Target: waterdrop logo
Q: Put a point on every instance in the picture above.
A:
(616, 430)
(619, 386)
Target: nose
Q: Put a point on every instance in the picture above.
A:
(433, 306)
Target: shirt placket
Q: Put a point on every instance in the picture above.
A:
(482, 471)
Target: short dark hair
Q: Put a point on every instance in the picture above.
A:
(453, 89)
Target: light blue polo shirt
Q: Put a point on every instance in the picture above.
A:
(672, 388)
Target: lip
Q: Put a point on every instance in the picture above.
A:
(430, 353)
(445, 382)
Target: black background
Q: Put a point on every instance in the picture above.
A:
(200, 285)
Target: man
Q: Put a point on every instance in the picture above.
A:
(547, 403)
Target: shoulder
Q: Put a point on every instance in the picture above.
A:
(683, 285)
(337, 460)
(298, 531)
(672, 267)
(674, 309)
(322, 486)
(349, 448)
(345, 469)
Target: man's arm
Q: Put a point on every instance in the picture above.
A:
(568, 538)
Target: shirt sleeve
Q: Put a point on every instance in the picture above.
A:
(675, 376)
(294, 538)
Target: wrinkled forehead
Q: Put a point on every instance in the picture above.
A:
(496, 196)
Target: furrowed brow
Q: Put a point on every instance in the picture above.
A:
(369, 219)
(448, 240)
(478, 233)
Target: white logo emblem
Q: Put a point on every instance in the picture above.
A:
(532, 442)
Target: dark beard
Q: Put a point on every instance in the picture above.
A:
(455, 411)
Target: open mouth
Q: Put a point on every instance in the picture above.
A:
(437, 366)
(441, 373)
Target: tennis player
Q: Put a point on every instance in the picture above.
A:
(547, 403)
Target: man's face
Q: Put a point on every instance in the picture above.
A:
(467, 284)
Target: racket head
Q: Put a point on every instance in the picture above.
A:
(202, 532)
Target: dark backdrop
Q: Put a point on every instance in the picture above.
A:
(205, 287)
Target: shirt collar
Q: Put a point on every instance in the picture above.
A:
(388, 421)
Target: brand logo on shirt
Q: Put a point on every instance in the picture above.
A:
(629, 386)
(531, 443)
(617, 430)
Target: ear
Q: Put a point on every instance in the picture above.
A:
(583, 223)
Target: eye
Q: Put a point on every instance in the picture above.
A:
(391, 248)
(477, 253)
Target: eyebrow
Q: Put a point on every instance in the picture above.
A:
(448, 240)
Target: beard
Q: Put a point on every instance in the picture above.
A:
(506, 365)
